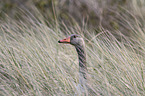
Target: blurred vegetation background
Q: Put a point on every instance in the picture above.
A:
(108, 14)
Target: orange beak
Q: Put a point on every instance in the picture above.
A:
(66, 40)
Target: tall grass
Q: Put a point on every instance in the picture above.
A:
(33, 63)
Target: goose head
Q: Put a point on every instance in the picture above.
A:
(74, 39)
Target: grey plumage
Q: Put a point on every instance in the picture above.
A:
(79, 44)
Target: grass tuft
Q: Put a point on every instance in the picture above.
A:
(33, 63)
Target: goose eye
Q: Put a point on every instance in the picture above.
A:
(75, 36)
